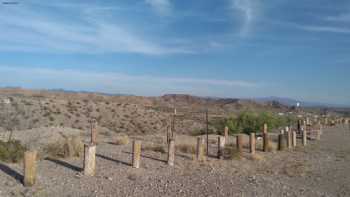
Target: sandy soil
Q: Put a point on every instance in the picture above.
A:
(320, 169)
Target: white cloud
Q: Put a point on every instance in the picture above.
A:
(109, 82)
(21, 29)
(339, 18)
(247, 9)
(324, 29)
(162, 7)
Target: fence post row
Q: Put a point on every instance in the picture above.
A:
(287, 138)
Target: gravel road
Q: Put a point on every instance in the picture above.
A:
(320, 169)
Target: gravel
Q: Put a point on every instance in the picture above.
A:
(320, 169)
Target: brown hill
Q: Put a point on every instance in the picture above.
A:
(130, 114)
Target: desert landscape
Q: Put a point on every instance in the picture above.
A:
(145, 98)
(57, 124)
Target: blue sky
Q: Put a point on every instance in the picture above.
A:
(222, 48)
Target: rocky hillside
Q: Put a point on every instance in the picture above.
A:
(26, 109)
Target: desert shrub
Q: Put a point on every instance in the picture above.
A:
(28, 103)
(51, 118)
(186, 148)
(69, 147)
(11, 151)
(154, 148)
(231, 153)
(122, 140)
(249, 121)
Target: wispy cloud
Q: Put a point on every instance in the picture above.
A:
(110, 82)
(329, 29)
(247, 8)
(162, 7)
(22, 28)
(339, 18)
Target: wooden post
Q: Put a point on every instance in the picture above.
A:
(294, 138)
(29, 162)
(89, 159)
(266, 142)
(171, 152)
(226, 134)
(304, 137)
(207, 129)
(252, 143)
(221, 146)
(200, 154)
(290, 140)
(94, 132)
(169, 134)
(281, 142)
(239, 143)
(265, 128)
(136, 154)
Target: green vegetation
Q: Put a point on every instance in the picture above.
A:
(11, 151)
(249, 121)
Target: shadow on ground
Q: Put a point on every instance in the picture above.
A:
(9, 171)
(65, 164)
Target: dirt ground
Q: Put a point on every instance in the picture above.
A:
(320, 169)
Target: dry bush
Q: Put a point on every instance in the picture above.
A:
(11, 151)
(255, 157)
(122, 140)
(69, 147)
(232, 153)
(154, 148)
(186, 148)
(272, 147)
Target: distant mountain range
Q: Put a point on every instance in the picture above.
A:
(282, 100)
(293, 102)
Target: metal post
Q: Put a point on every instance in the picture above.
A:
(207, 122)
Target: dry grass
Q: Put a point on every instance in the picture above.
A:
(186, 148)
(122, 140)
(232, 153)
(11, 151)
(69, 147)
(272, 147)
(255, 157)
(154, 148)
